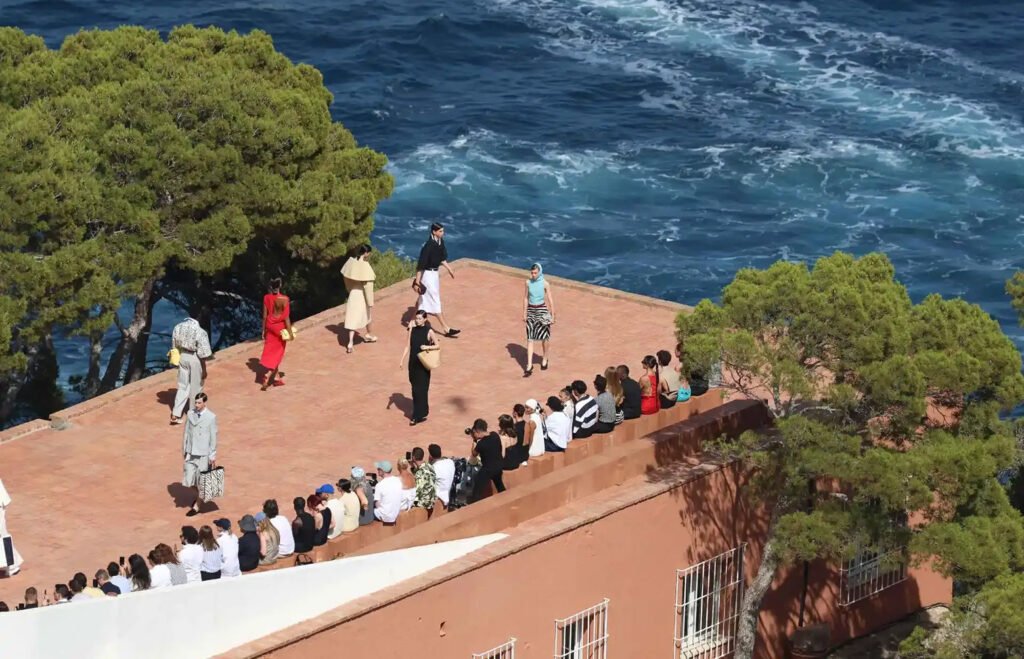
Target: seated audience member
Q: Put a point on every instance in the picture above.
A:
(303, 526)
(557, 427)
(487, 447)
(139, 572)
(426, 480)
(630, 393)
(668, 380)
(534, 431)
(92, 591)
(387, 494)
(190, 556)
(228, 542)
(364, 488)
(248, 544)
(159, 572)
(270, 539)
(568, 404)
(31, 599)
(322, 516)
(103, 583)
(4, 608)
(332, 501)
(585, 414)
(77, 585)
(213, 555)
(517, 452)
(611, 376)
(444, 471)
(116, 578)
(62, 594)
(286, 539)
(605, 406)
(408, 483)
(649, 386)
(350, 507)
(698, 380)
(163, 556)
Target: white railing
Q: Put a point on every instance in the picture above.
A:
(708, 597)
(584, 635)
(869, 572)
(506, 650)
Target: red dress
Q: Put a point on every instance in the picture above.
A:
(651, 404)
(273, 344)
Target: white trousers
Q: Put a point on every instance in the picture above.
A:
(190, 382)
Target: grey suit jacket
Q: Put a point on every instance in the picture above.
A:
(200, 434)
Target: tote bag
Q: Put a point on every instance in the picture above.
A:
(430, 359)
(211, 484)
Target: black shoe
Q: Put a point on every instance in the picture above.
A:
(544, 365)
(452, 332)
(192, 512)
(528, 372)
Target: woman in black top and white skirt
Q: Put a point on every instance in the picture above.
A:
(421, 338)
(433, 256)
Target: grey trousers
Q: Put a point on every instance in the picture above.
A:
(190, 381)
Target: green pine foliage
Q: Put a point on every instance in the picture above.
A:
(138, 166)
(849, 368)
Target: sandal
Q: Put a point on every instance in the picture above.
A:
(348, 349)
(527, 372)
(544, 365)
(278, 383)
(177, 421)
(369, 338)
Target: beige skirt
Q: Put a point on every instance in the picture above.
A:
(357, 311)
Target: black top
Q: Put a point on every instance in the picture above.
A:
(248, 551)
(489, 450)
(432, 254)
(110, 589)
(698, 383)
(366, 514)
(304, 530)
(630, 399)
(321, 535)
(518, 453)
(417, 338)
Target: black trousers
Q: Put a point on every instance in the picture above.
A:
(480, 486)
(419, 378)
(209, 576)
(667, 402)
(602, 427)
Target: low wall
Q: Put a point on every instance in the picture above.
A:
(202, 619)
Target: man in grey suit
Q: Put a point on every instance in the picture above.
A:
(199, 446)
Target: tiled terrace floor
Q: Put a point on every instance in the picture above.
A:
(110, 484)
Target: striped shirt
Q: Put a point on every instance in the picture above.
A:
(584, 417)
(190, 336)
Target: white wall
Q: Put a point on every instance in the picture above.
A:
(203, 619)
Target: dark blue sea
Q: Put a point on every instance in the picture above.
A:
(659, 145)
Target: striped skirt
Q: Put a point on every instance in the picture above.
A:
(538, 323)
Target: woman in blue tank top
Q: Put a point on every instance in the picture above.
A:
(539, 316)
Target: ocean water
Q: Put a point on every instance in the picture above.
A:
(659, 145)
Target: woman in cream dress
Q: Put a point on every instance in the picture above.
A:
(10, 559)
(359, 277)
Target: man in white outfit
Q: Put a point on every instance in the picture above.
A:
(193, 344)
(10, 559)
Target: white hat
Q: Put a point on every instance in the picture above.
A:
(531, 404)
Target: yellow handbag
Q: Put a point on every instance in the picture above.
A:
(285, 336)
(174, 357)
(430, 359)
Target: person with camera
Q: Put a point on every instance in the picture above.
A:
(487, 448)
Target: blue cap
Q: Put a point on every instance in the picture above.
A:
(326, 488)
(383, 465)
(260, 516)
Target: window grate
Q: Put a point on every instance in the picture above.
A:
(870, 572)
(506, 650)
(708, 597)
(584, 635)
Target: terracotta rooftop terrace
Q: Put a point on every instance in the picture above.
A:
(109, 483)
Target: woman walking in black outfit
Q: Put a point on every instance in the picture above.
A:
(421, 338)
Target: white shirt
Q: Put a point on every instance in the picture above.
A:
(213, 560)
(191, 557)
(444, 471)
(388, 494)
(537, 441)
(284, 529)
(337, 515)
(160, 576)
(559, 428)
(229, 545)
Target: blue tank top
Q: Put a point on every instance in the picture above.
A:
(535, 288)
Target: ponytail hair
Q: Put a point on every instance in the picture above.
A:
(651, 362)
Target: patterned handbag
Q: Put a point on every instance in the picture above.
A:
(211, 484)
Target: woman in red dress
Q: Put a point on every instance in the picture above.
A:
(649, 399)
(276, 318)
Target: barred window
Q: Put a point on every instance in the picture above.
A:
(708, 597)
(583, 635)
(506, 650)
(870, 572)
